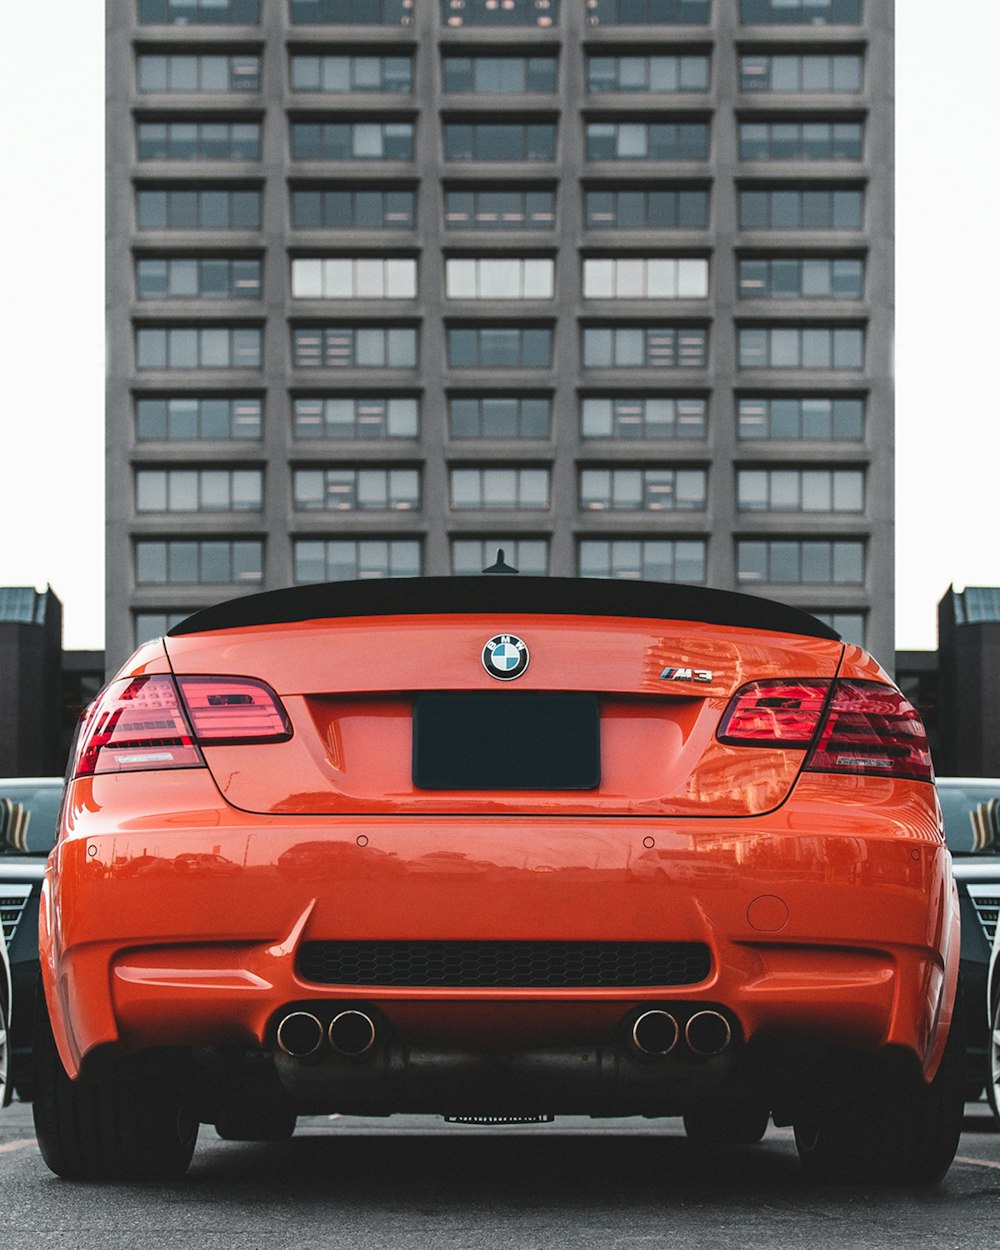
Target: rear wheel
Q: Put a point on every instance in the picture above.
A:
(993, 1084)
(129, 1123)
(883, 1124)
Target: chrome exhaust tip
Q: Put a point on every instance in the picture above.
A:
(300, 1034)
(655, 1032)
(708, 1033)
(351, 1033)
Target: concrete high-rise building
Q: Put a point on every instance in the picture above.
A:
(394, 283)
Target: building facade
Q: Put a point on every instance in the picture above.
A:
(605, 283)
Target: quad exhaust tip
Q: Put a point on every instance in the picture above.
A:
(708, 1033)
(351, 1033)
(656, 1032)
(300, 1034)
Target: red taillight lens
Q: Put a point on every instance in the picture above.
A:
(871, 728)
(782, 713)
(226, 710)
(137, 723)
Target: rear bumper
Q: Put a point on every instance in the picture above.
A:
(829, 923)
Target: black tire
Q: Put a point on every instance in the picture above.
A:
(128, 1124)
(5, 1087)
(256, 1123)
(882, 1124)
(993, 1043)
(727, 1124)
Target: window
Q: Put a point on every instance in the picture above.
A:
(193, 277)
(647, 73)
(198, 141)
(500, 74)
(642, 416)
(358, 347)
(198, 347)
(359, 277)
(490, 209)
(352, 12)
(790, 208)
(355, 417)
(160, 562)
(199, 490)
(642, 490)
(502, 141)
(499, 489)
(340, 208)
(645, 347)
(500, 347)
(800, 490)
(806, 417)
(210, 209)
(809, 561)
(643, 559)
(792, 277)
(811, 72)
(640, 277)
(349, 559)
(801, 347)
(345, 489)
(199, 12)
(469, 556)
(640, 209)
(198, 74)
(499, 416)
(342, 74)
(352, 141)
(500, 278)
(490, 13)
(800, 141)
(799, 12)
(647, 12)
(647, 141)
(179, 418)
(149, 625)
(850, 625)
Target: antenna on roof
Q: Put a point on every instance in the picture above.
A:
(501, 568)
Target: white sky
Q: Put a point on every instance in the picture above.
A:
(948, 285)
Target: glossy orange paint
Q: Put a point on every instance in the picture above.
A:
(175, 900)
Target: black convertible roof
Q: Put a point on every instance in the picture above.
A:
(549, 596)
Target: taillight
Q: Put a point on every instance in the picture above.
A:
(137, 723)
(142, 722)
(234, 709)
(785, 713)
(871, 728)
(851, 726)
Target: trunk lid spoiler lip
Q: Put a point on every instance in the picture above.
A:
(547, 596)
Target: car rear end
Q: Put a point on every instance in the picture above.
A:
(504, 849)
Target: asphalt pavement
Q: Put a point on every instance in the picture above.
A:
(414, 1181)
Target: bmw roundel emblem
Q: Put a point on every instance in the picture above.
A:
(505, 657)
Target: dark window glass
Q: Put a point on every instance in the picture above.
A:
(197, 74)
(799, 12)
(805, 561)
(626, 489)
(358, 73)
(197, 210)
(801, 347)
(499, 416)
(347, 559)
(812, 72)
(500, 142)
(176, 277)
(495, 347)
(800, 141)
(500, 74)
(352, 12)
(198, 141)
(340, 209)
(659, 208)
(530, 556)
(355, 417)
(648, 12)
(347, 489)
(654, 73)
(642, 347)
(643, 559)
(352, 141)
(647, 141)
(491, 209)
(805, 278)
(199, 12)
(182, 561)
(183, 417)
(198, 347)
(787, 209)
(643, 417)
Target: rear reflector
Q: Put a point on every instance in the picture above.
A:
(865, 727)
(137, 723)
(786, 713)
(142, 723)
(234, 709)
(871, 728)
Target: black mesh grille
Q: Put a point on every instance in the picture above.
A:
(502, 965)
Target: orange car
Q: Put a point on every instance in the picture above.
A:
(501, 849)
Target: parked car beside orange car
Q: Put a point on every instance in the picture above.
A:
(501, 849)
